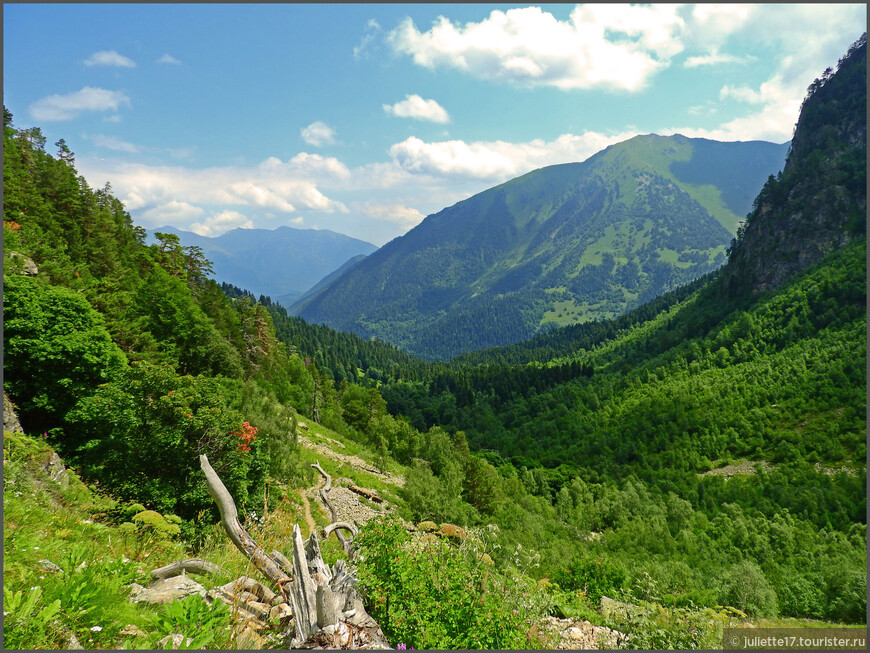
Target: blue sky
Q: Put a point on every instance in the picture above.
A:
(365, 118)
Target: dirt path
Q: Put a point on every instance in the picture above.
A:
(309, 520)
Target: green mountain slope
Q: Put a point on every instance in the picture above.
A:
(283, 262)
(557, 246)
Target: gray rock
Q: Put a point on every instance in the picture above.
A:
(133, 630)
(56, 470)
(26, 265)
(47, 565)
(73, 643)
(166, 590)
(177, 639)
(10, 419)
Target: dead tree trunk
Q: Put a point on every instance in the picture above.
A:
(335, 525)
(328, 612)
(230, 520)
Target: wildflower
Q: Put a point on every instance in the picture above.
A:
(401, 646)
(96, 629)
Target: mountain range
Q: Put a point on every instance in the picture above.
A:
(281, 263)
(560, 245)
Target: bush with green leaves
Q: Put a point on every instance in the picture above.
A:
(141, 436)
(55, 350)
(746, 587)
(595, 576)
(432, 595)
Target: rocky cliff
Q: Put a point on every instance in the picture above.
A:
(818, 203)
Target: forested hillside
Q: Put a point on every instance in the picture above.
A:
(700, 459)
(128, 357)
(558, 246)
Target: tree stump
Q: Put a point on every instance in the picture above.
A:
(328, 612)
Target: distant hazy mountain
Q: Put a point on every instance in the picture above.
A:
(281, 263)
(559, 245)
(293, 303)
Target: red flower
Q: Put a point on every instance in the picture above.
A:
(246, 435)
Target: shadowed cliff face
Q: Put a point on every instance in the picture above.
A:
(819, 202)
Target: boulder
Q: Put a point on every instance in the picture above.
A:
(10, 419)
(24, 264)
(166, 590)
(56, 470)
(48, 566)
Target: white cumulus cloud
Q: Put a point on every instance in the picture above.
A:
(497, 160)
(713, 59)
(413, 106)
(220, 223)
(173, 212)
(69, 106)
(600, 46)
(109, 58)
(153, 193)
(168, 58)
(399, 214)
(318, 134)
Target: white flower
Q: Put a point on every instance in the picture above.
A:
(96, 629)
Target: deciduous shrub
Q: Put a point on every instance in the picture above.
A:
(431, 595)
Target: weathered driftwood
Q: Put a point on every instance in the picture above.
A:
(282, 561)
(324, 497)
(372, 495)
(255, 587)
(328, 611)
(190, 566)
(346, 525)
(230, 520)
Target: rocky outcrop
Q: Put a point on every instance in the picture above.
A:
(10, 418)
(23, 264)
(570, 635)
(166, 590)
(56, 470)
(819, 201)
